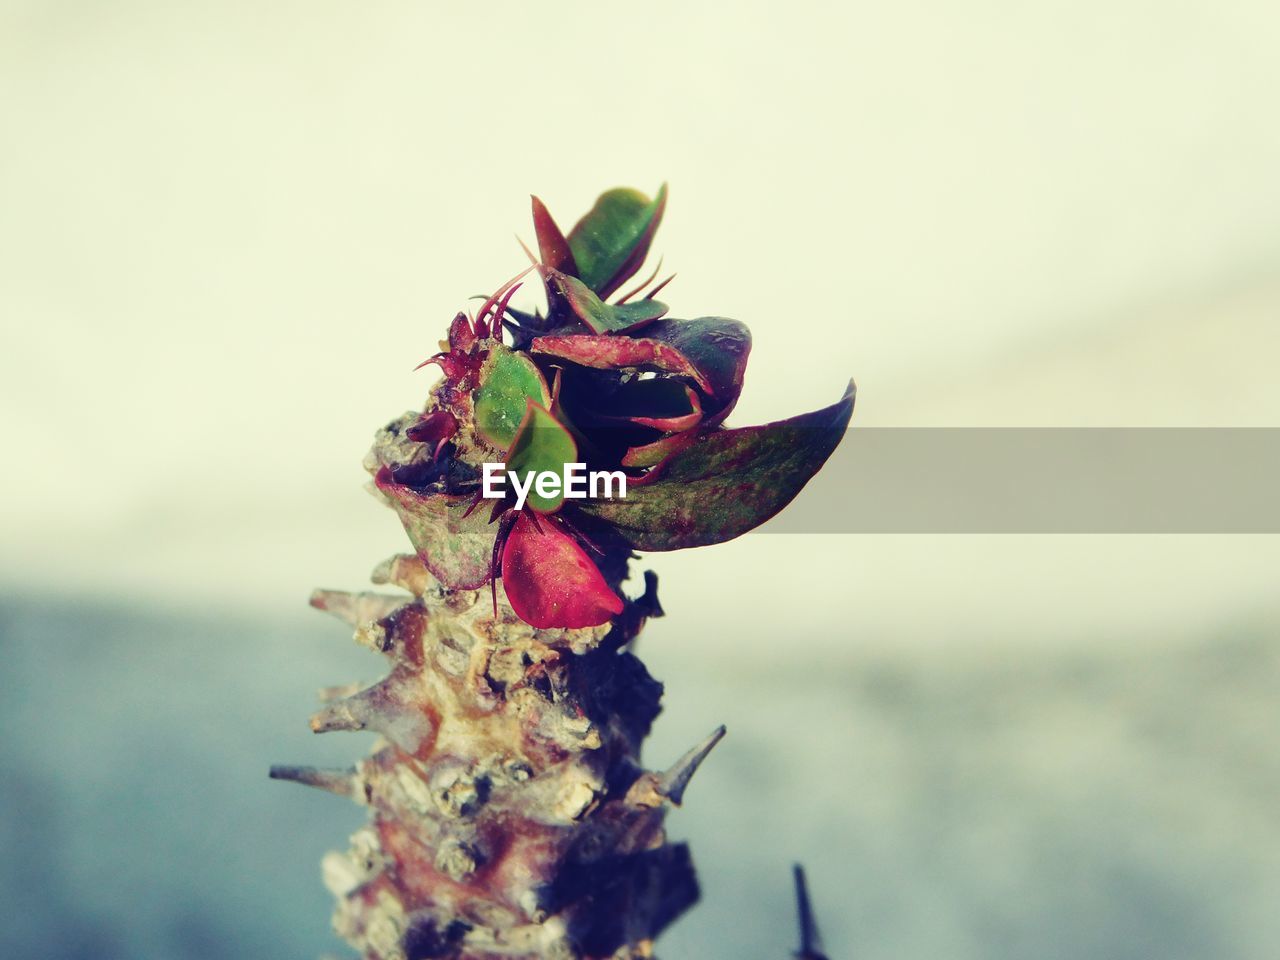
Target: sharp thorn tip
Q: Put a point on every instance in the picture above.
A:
(673, 783)
(339, 781)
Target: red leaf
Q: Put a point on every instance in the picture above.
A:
(551, 582)
(605, 352)
(712, 351)
(462, 335)
(663, 403)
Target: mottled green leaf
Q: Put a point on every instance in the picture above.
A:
(651, 454)
(456, 549)
(508, 381)
(610, 243)
(541, 444)
(726, 482)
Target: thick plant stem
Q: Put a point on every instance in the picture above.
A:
(509, 816)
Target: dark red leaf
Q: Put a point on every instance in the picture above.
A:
(552, 245)
(462, 336)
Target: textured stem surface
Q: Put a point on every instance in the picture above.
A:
(509, 816)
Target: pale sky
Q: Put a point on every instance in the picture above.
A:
(228, 232)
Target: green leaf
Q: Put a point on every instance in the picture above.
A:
(726, 482)
(610, 243)
(651, 454)
(541, 444)
(508, 382)
(601, 317)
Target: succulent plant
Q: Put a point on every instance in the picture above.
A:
(509, 812)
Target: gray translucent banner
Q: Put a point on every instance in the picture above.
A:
(1044, 480)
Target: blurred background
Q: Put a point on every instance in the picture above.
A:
(229, 231)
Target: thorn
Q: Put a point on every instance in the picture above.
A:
(339, 692)
(504, 305)
(527, 252)
(437, 358)
(649, 599)
(537, 524)
(339, 781)
(495, 563)
(672, 784)
(348, 714)
(406, 571)
(627, 296)
(498, 509)
(583, 540)
(383, 709)
(810, 941)
(658, 289)
(374, 636)
(555, 388)
(472, 506)
(356, 608)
